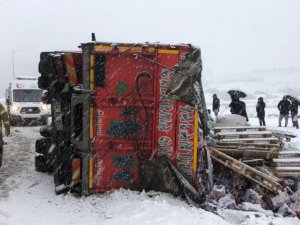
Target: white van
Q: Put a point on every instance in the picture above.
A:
(23, 100)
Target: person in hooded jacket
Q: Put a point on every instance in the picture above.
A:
(294, 113)
(238, 107)
(260, 110)
(284, 109)
(216, 104)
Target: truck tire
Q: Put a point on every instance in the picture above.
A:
(46, 131)
(43, 164)
(43, 145)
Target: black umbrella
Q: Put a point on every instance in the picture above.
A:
(237, 94)
(293, 98)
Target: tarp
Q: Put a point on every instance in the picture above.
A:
(186, 85)
(231, 120)
(188, 70)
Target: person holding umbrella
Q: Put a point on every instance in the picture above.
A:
(260, 110)
(284, 108)
(237, 106)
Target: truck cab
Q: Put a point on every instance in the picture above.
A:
(23, 101)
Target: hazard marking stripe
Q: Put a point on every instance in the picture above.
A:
(70, 66)
(103, 48)
(92, 72)
(76, 163)
(195, 141)
(76, 175)
(91, 172)
(107, 48)
(167, 51)
(91, 123)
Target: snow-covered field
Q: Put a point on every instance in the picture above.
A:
(27, 197)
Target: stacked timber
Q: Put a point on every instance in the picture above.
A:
(256, 143)
(287, 165)
(248, 142)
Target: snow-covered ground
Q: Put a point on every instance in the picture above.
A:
(27, 197)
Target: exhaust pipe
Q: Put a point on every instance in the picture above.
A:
(93, 37)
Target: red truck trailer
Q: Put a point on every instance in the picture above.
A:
(117, 104)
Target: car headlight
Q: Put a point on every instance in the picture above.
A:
(44, 107)
(15, 108)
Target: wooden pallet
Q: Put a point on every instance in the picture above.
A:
(255, 142)
(247, 142)
(252, 174)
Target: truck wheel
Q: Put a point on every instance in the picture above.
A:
(43, 145)
(46, 131)
(42, 164)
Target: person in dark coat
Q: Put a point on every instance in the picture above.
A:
(294, 113)
(260, 110)
(216, 104)
(238, 107)
(284, 108)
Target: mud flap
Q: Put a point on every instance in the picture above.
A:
(161, 175)
(156, 175)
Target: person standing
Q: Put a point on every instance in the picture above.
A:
(260, 110)
(294, 113)
(284, 108)
(5, 121)
(238, 107)
(216, 104)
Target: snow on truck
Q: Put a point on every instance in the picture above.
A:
(134, 116)
(23, 101)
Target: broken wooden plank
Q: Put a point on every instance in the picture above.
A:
(287, 160)
(245, 170)
(240, 128)
(265, 145)
(288, 174)
(245, 134)
(288, 154)
(248, 147)
(287, 168)
(250, 154)
(269, 140)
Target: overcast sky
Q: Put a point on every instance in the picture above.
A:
(236, 36)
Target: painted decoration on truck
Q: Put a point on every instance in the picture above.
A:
(165, 116)
(185, 138)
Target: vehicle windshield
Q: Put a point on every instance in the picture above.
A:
(27, 95)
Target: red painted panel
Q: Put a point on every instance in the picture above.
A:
(117, 168)
(133, 118)
(123, 111)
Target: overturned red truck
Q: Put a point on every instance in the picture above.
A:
(119, 113)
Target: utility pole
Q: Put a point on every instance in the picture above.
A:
(13, 62)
